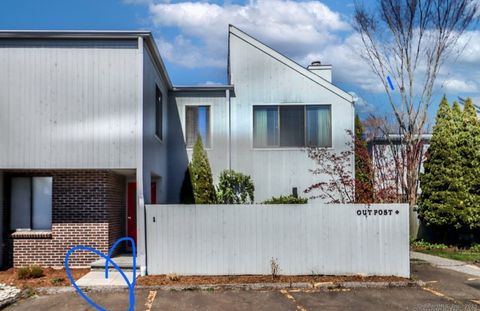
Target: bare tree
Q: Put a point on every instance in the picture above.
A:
(409, 41)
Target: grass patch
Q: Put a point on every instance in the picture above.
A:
(462, 255)
(471, 255)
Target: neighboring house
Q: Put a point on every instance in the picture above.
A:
(92, 129)
(388, 157)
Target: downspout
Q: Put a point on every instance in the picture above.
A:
(141, 235)
(229, 104)
(354, 101)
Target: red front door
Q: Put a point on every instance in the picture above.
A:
(153, 193)
(131, 211)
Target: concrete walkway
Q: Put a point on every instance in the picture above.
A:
(97, 278)
(445, 263)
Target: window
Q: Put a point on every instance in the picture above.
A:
(265, 126)
(158, 113)
(318, 126)
(292, 126)
(197, 120)
(31, 203)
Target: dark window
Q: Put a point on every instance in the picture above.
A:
(197, 120)
(31, 203)
(158, 113)
(292, 126)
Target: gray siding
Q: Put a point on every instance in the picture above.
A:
(154, 150)
(2, 214)
(263, 79)
(328, 239)
(68, 103)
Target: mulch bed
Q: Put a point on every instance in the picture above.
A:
(52, 278)
(151, 280)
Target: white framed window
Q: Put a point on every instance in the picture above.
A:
(292, 126)
(197, 123)
(31, 203)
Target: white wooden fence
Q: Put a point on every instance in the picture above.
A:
(337, 239)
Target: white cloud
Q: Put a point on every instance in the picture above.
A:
(469, 48)
(183, 52)
(302, 30)
(294, 28)
(460, 86)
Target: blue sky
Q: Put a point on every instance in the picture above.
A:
(192, 37)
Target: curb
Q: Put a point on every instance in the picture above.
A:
(246, 287)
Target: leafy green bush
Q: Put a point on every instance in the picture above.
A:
(475, 248)
(428, 245)
(235, 188)
(25, 273)
(288, 199)
(201, 175)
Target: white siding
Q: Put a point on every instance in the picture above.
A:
(331, 239)
(261, 79)
(68, 103)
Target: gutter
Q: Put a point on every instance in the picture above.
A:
(229, 105)
(204, 88)
(141, 229)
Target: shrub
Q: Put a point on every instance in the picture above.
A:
(363, 166)
(235, 188)
(475, 248)
(201, 175)
(25, 273)
(428, 245)
(288, 199)
(55, 281)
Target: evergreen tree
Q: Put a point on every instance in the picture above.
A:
(363, 166)
(442, 189)
(201, 175)
(469, 150)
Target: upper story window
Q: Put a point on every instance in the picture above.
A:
(197, 123)
(292, 126)
(31, 203)
(158, 113)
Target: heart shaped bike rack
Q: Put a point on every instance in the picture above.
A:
(108, 260)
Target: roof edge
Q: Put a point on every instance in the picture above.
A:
(206, 88)
(290, 63)
(93, 34)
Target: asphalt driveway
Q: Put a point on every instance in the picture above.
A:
(445, 290)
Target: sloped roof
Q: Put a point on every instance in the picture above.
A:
(290, 63)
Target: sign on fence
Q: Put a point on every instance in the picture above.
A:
(330, 239)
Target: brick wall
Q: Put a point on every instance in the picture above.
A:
(88, 208)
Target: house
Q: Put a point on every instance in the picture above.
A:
(261, 122)
(388, 154)
(92, 129)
